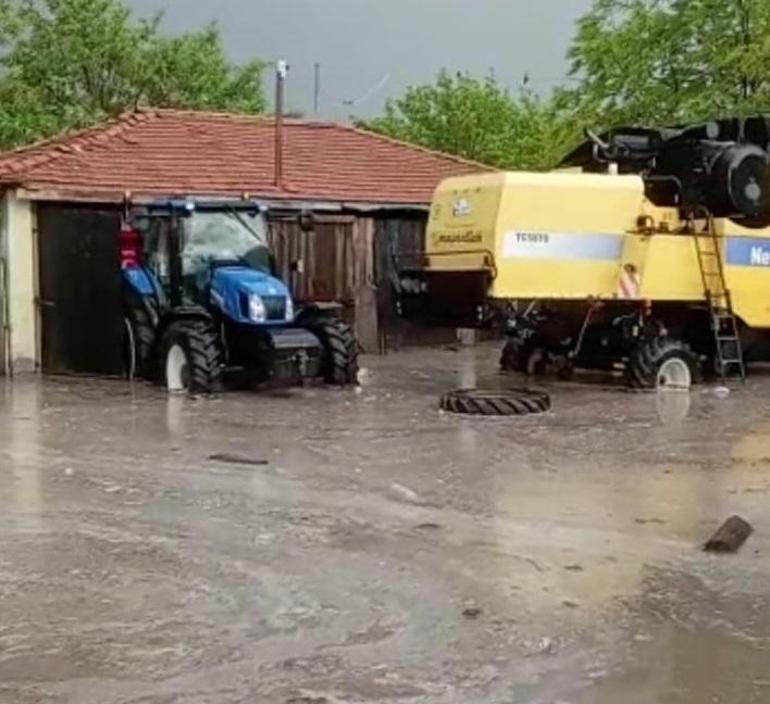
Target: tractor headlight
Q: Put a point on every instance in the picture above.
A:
(257, 310)
(289, 309)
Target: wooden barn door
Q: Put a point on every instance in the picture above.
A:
(337, 256)
(326, 256)
(80, 294)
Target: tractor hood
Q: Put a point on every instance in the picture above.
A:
(249, 281)
(232, 286)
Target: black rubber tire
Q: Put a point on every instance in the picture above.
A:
(200, 342)
(143, 336)
(339, 357)
(523, 357)
(646, 360)
(513, 357)
(476, 402)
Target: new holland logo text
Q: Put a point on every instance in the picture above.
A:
(760, 256)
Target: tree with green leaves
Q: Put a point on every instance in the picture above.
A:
(666, 61)
(69, 63)
(476, 119)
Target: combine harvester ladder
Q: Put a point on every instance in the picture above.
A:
(729, 351)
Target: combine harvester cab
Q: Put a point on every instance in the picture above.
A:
(648, 253)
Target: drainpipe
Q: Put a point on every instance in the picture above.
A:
(5, 307)
(5, 317)
(281, 71)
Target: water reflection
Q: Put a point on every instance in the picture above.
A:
(176, 424)
(673, 406)
(21, 419)
(467, 373)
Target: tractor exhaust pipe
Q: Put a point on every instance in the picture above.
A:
(281, 71)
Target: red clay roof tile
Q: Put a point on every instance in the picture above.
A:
(169, 152)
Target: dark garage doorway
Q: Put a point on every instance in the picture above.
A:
(80, 290)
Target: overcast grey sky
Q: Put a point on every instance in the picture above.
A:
(372, 49)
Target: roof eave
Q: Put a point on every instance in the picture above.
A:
(290, 202)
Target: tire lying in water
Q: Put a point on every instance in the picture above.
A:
(477, 402)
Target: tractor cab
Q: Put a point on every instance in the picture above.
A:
(196, 255)
(202, 297)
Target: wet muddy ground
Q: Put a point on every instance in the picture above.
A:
(371, 549)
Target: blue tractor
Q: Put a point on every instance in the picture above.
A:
(203, 302)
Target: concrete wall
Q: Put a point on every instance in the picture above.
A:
(18, 249)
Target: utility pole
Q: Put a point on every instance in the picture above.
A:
(317, 89)
(281, 71)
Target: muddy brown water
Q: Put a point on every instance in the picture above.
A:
(385, 552)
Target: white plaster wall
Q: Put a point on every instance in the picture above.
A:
(17, 245)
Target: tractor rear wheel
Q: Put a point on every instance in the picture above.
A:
(192, 357)
(140, 340)
(339, 358)
(662, 362)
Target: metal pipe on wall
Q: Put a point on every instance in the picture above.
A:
(5, 328)
(281, 71)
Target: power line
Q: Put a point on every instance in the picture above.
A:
(376, 89)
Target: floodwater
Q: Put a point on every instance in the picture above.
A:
(363, 547)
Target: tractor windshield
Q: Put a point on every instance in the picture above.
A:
(225, 237)
(211, 239)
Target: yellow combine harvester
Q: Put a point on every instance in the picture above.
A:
(648, 251)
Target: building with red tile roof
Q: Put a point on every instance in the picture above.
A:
(61, 202)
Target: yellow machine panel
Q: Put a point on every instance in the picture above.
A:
(577, 236)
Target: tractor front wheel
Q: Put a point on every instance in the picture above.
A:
(523, 356)
(192, 359)
(514, 356)
(662, 362)
(339, 358)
